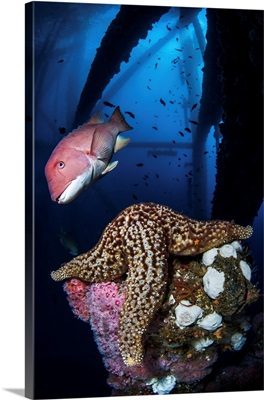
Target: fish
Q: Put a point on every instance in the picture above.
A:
(106, 103)
(193, 122)
(68, 242)
(83, 156)
(61, 61)
(139, 164)
(188, 130)
(181, 133)
(162, 102)
(130, 114)
(194, 106)
(62, 130)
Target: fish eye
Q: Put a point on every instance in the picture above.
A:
(61, 164)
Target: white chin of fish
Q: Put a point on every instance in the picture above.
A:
(74, 188)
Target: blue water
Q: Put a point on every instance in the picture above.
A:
(155, 71)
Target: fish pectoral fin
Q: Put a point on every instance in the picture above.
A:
(120, 143)
(110, 167)
(102, 143)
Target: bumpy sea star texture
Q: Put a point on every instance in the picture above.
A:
(177, 358)
(139, 242)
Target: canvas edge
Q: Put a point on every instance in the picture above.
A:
(29, 204)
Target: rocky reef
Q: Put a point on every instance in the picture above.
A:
(204, 315)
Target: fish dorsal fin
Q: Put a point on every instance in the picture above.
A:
(95, 119)
(110, 167)
(119, 120)
(120, 143)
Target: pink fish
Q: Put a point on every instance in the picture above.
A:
(84, 155)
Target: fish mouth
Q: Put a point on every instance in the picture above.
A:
(70, 192)
(59, 198)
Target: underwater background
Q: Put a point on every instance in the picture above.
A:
(162, 92)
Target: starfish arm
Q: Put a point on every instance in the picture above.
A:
(104, 262)
(146, 283)
(191, 237)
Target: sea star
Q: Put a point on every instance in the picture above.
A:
(138, 242)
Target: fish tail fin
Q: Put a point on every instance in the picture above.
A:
(119, 119)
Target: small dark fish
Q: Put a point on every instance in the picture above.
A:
(167, 26)
(157, 175)
(139, 165)
(206, 152)
(61, 61)
(62, 130)
(149, 40)
(178, 49)
(189, 56)
(156, 65)
(148, 88)
(134, 196)
(194, 106)
(187, 82)
(107, 116)
(154, 155)
(154, 127)
(181, 133)
(106, 103)
(187, 130)
(130, 113)
(162, 102)
(171, 101)
(174, 142)
(185, 155)
(193, 122)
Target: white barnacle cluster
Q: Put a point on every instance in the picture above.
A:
(225, 251)
(187, 314)
(162, 386)
(214, 280)
(237, 341)
(211, 322)
(245, 268)
(201, 344)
